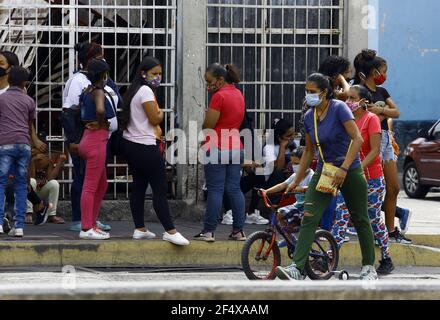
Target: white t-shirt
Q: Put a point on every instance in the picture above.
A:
(270, 155)
(4, 90)
(140, 130)
(74, 88)
(306, 181)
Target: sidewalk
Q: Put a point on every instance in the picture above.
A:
(54, 245)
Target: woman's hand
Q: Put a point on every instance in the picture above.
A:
(339, 178)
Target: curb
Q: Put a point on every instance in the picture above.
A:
(129, 253)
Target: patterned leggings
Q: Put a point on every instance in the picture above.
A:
(376, 192)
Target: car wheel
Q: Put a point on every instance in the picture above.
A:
(411, 182)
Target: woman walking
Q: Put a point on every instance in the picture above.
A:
(141, 119)
(330, 127)
(369, 126)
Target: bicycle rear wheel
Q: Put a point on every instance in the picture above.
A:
(323, 257)
(257, 261)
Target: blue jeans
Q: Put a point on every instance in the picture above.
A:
(221, 178)
(79, 170)
(17, 156)
(386, 147)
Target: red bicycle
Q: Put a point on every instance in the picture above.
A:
(261, 254)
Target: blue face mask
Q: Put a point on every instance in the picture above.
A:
(313, 99)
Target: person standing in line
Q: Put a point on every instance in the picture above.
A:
(17, 113)
(141, 117)
(224, 150)
(76, 84)
(96, 111)
(371, 71)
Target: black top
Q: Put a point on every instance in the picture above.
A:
(380, 95)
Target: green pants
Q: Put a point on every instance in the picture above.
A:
(355, 192)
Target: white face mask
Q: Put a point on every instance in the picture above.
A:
(295, 168)
(313, 99)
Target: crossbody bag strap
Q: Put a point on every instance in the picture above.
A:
(115, 110)
(315, 117)
(317, 138)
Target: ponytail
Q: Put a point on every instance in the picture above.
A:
(233, 75)
(229, 72)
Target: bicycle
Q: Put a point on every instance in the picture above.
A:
(262, 247)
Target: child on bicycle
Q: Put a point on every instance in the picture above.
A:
(293, 214)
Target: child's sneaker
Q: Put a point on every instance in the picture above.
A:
(17, 233)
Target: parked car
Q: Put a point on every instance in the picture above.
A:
(422, 163)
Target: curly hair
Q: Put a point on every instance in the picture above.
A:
(334, 65)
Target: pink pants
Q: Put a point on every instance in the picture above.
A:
(92, 149)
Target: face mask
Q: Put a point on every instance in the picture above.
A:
(353, 105)
(295, 168)
(212, 88)
(313, 99)
(2, 72)
(154, 82)
(380, 80)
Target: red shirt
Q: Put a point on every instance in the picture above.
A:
(229, 101)
(369, 124)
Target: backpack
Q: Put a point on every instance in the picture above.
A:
(70, 119)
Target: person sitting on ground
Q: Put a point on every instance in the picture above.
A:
(44, 173)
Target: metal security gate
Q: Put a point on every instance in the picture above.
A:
(43, 33)
(276, 44)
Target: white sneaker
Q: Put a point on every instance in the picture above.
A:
(176, 239)
(347, 239)
(1, 230)
(18, 233)
(94, 234)
(256, 218)
(139, 235)
(368, 273)
(228, 219)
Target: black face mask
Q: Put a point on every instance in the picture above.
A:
(2, 72)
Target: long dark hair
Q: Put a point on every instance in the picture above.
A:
(138, 81)
(280, 128)
(228, 72)
(365, 62)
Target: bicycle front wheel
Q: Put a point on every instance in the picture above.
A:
(258, 260)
